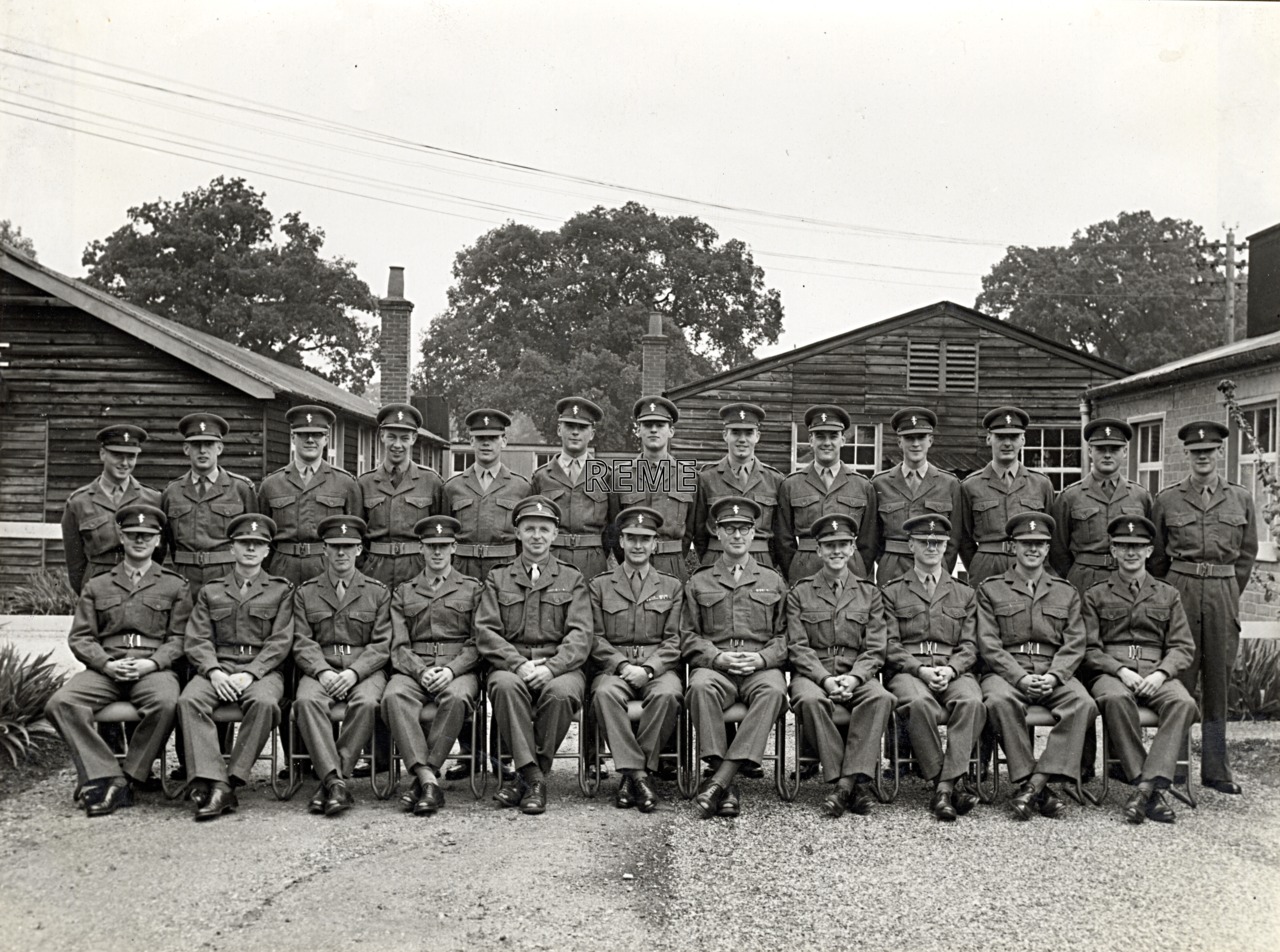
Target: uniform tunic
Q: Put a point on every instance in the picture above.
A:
(986, 504)
(297, 509)
(488, 537)
(89, 535)
(716, 481)
(392, 553)
(587, 507)
(896, 502)
(1081, 549)
(669, 486)
(197, 527)
(803, 499)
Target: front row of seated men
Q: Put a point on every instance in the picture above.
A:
(535, 622)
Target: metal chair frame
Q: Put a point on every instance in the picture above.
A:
(841, 716)
(734, 714)
(1037, 716)
(478, 757)
(1148, 719)
(230, 713)
(899, 761)
(124, 712)
(588, 786)
(681, 755)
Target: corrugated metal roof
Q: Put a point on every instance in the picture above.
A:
(1241, 353)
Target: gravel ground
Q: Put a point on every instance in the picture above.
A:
(587, 876)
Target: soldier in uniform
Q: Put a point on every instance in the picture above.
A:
(732, 633)
(342, 642)
(89, 535)
(913, 488)
(1205, 545)
(836, 642)
(1031, 637)
(636, 611)
(397, 494)
(739, 473)
(533, 627)
(483, 497)
(1139, 643)
(238, 637)
(434, 657)
(299, 496)
(933, 647)
(818, 489)
(201, 503)
(127, 632)
(996, 493)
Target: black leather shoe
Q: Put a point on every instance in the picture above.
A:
(362, 768)
(752, 771)
(807, 772)
(1135, 808)
(624, 799)
(409, 799)
(1223, 786)
(178, 774)
(459, 771)
(592, 775)
(115, 796)
(1051, 804)
(432, 799)
(303, 768)
(220, 800)
(198, 792)
(1158, 808)
(90, 793)
(964, 799)
(1022, 802)
(836, 803)
(317, 801)
(645, 794)
(534, 800)
(707, 800)
(510, 793)
(731, 802)
(941, 807)
(338, 799)
(860, 801)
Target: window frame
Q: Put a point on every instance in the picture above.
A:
(1268, 547)
(1064, 474)
(1137, 466)
(873, 442)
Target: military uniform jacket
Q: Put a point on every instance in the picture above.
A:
(485, 516)
(720, 614)
(1153, 620)
(938, 494)
(803, 499)
(986, 504)
(670, 486)
(391, 512)
(946, 627)
(1081, 514)
(586, 508)
(434, 628)
(111, 609)
(200, 525)
(297, 508)
(89, 526)
(827, 636)
(518, 620)
(1008, 617)
(236, 632)
(715, 481)
(642, 630)
(1222, 531)
(323, 624)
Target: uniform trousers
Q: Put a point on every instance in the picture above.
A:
(891, 566)
(1073, 711)
(712, 692)
(858, 753)
(297, 569)
(479, 568)
(392, 570)
(1213, 611)
(402, 705)
(959, 706)
(987, 564)
(311, 708)
(73, 706)
(1084, 577)
(660, 703)
(198, 575)
(672, 563)
(532, 723)
(260, 708)
(1119, 707)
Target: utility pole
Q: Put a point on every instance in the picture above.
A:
(1231, 286)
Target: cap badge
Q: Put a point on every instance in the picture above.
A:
(308, 417)
(1008, 419)
(640, 519)
(1032, 525)
(653, 407)
(486, 421)
(141, 518)
(834, 526)
(253, 527)
(1106, 431)
(913, 421)
(824, 418)
(931, 525)
(344, 528)
(575, 409)
(1201, 435)
(399, 414)
(1131, 527)
(202, 426)
(126, 435)
(538, 506)
(439, 528)
(742, 414)
(735, 510)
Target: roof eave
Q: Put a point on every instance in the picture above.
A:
(1206, 368)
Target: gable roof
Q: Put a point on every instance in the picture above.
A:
(977, 318)
(1243, 353)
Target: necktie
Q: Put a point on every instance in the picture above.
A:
(201, 487)
(116, 492)
(485, 479)
(306, 475)
(434, 583)
(396, 476)
(1110, 486)
(244, 585)
(575, 469)
(1135, 587)
(534, 573)
(636, 583)
(1031, 587)
(838, 586)
(1207, 493)
(1008, 477)
(341, 589)
(737, 572)
(913, 479)
(744, 476)
(827, 476)
(930, 584)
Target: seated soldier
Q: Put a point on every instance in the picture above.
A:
(836, 642)
(635, 609)
(933, 646)
(533, 627)
(239, 635)
(1031, 636)
(127, 633)
(731, 632)
(434, 660)
(342, 642)
(1139, 643)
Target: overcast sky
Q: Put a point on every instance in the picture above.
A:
(925, 140)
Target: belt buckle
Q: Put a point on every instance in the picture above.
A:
(1134, 653)
(479, 552)
(304, 549)
(243, 649)
(131, 640)
(199, 558)
(343, 649)
(1111, 561)
(1202, 569)
(930, 646)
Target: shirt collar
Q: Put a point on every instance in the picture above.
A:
(401, 469)
(924, 576)
(491, 470)
(542, 566)
(1012, 469)
(212, 477)
(566, 460)
(302, 467)
(108, 488)
(141, 570)
(1212, 482)
(923, 471)
(747, 467)
(843, 580)
(238, 578)
(333, 579)
(448, 570)
(632, 571)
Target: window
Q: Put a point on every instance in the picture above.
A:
(1147, 455)
(1262, 418)
(1054, 451)
(461, 460)
(861, 448)
(542, 459)
(942, 366)
(365, 450)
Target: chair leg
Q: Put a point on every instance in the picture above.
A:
(1106, 763)
(172, 788)
(895, 767)
(479, 780)
(276, 789)
(684, 749)
(788, 790)
(383, 791)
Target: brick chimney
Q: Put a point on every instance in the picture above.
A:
(653, 357)
(395, 312)
(1264, 283)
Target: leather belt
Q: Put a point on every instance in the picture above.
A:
(395, 548)
(995, 548)
(231, 652)
(669, 547)
(898, 546)
(757, 546)
(131, 639)
(224, 557)
(751, 644)
(927, 649)
(302, 550)
(1134, 652)
(112, 557)
(500, 550)
(537, 651)
(351, 652)
(1202, 569)
(807, 545)
(578, 540)
(1034, 648)
(438, 649)
(1096, 560)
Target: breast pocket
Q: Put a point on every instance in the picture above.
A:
(281, 503)
(1055, 617)
(851, 501)
(806, 508)
(853, 626)
(99, 533)
(153, 613)
(110, 611)
(953, 619)
(1013, 620)
(711, 609)
(913, 622)
(1111, 621)
(819, 627)
(555, 606)
(261, 620)
(986, 516)
(360, 626)
(222, 621)
(330, 501)
(655, 617)
(943, 506)
(511, 607)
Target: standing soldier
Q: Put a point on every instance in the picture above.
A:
(201, 503)
(933, 647)
(913, 488)
(636, 610)
(89, 535)
(657, 480)
(996, 493)
(299, 496)
(825, 486)
(1205, 545)
(483, 497)
(239, 635)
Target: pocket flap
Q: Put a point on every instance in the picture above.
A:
(232, 508)
(708, 597)
(362, 616)
(859, 615)
(557, 596)
(982, 505)
(1180, 518)
(506, 502)
(1085, 512)
(816, 617)
(93, 522)
(1055, 611)
(157, 602)
(955, 611)
(1231, 517)
(938, 505)
(220, 614)
(330, 501)
(280, 502)
(175, 509)
(804, 500)
(1008, 608)
(263, 611)
(893, 505)
(510, 598)
(765, 597)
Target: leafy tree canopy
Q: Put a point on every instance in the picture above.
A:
(1139, 291)
(12, 236)
(212, 261)
(535, 315)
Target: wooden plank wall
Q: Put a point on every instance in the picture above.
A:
(23, 446)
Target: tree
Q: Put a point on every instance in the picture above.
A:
(1138, 291)
(212, 261)
(535, 315)
(11, 235)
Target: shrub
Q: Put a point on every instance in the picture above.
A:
(25, 687)
(43, 593)
(1255, 682)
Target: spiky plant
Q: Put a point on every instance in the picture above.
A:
(25, 687)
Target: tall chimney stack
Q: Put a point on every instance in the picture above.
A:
(395, 312)
(653, 358)
(1263, 308)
